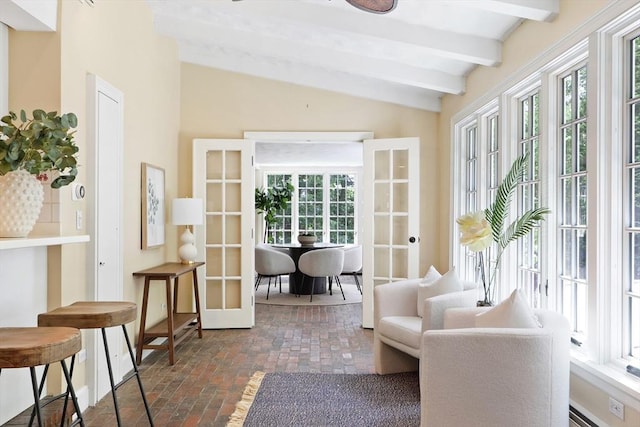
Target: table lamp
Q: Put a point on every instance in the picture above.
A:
(187, 212)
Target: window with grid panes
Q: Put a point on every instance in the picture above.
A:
(529, 279)
(331, 212)
(342, 199)
(572, 198)
(492, 175)
(310, 204)
(471, 192)
(631, 290)
(281, 231)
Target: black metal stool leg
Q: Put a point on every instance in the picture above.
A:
(66, 395)
(113, 385)
(71, 390)
(40, 388)
(137, 374)
(36, 395)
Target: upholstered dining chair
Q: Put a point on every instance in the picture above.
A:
(322, 263)
(353, 263)
(271, 263)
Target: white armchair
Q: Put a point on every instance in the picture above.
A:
(495, 376)
(398, 327)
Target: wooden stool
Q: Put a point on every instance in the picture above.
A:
(100, 315)
(31, 347)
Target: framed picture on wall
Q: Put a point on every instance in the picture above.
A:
(153, 216)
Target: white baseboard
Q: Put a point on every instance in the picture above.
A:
(83, 398)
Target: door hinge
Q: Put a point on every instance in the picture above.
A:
(546, 288)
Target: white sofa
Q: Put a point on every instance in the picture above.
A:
(495, 376)
(398, 328)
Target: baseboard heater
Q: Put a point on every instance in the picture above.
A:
(578, 419)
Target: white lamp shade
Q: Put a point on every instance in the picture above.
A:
(186, 211)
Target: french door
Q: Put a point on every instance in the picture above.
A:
(391, 248)
(223, 177)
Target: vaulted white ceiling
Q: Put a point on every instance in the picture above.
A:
(410, 56)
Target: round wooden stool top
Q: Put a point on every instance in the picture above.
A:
(26, 347)
(90, 315)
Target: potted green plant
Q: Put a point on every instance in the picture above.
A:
(38, 145)
(269, 201)
(29, 149)
(479, 230)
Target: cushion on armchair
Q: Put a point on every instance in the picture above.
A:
(514, 312)
(434, 284)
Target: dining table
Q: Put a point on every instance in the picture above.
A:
(296, 278)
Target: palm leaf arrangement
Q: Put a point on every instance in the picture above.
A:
(480, 229)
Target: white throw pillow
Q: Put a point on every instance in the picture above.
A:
(449, 282)
(514, 312)
(432, 274)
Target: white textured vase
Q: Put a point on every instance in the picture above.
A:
(21, 197)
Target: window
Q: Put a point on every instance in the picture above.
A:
(342, 208)
(310, 204)
(529, 279)
(572, 200)
(577, 113)
(324, 204)
(631, 292)
(471, 193)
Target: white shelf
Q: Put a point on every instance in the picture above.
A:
(44, 240)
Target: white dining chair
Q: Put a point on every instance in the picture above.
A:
(271, 263)
(353, 263)
(322, 263)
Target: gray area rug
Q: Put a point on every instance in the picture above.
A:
(305, 399)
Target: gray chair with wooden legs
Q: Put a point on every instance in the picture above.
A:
(353, 264)
(31, 347)
(322, 263)
(101, 315)
(272, 264)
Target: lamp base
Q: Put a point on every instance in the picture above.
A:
(187, 252)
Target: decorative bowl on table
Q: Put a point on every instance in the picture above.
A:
(306, 239)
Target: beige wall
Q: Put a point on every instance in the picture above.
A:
(167, 105)
(116, 41)
(219, 104)
(528, 42)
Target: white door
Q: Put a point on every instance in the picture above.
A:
(223, 177)
(391, 248)
(104, 224)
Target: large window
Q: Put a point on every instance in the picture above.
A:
(631, 291)
(470, 270)
(572, 200)
(529, 279)
(324, 203)
(578, 117)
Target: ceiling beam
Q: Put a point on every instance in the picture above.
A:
(272, 48)
(537, 10)
(336, 21)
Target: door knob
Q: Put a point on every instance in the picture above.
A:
(101, 263)
(412, 239)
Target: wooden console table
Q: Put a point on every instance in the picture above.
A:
(177, 325)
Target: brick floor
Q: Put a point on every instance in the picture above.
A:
(209, 375)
